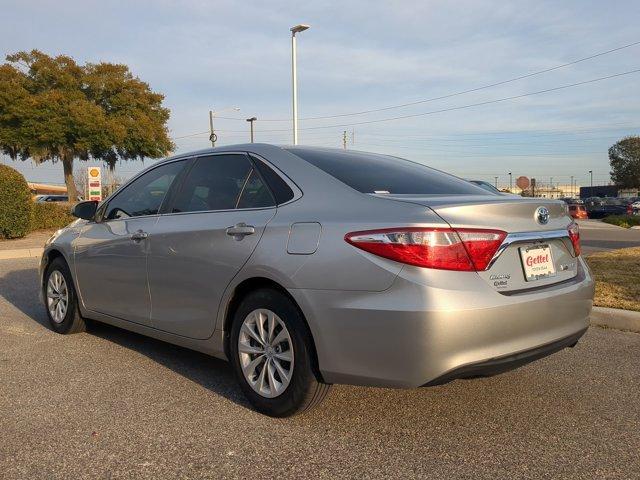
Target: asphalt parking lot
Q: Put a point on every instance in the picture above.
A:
(597, 236)
(112, 404)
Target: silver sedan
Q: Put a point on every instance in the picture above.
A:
(306, 267)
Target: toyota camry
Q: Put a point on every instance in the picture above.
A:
(305, 267)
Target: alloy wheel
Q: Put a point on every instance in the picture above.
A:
(266, 353)
(57, 296)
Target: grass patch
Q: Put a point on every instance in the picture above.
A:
(626, 221)
(617, 275)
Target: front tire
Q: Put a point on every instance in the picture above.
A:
(61, 301)
(271, 353)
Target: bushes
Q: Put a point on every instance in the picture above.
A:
(15, 204)
(50, 215)
(19, 214)
(625, 221)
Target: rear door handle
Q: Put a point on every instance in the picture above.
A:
(240, 230)
(139, 235)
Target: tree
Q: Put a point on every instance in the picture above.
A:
(53, 109)
(624, 158)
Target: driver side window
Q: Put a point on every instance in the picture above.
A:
(144, 195)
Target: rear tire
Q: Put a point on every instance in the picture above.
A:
(271, 353)
(61, 301)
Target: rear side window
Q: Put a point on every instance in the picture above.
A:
(281, 191)
(373, 173)
(255, 193)
(222, 182)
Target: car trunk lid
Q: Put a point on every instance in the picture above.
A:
(534, 254)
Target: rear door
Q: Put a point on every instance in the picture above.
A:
(211, 228)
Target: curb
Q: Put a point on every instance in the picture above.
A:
(21, 253)
(616, 318)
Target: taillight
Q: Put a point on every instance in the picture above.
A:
(574, 235)
(442, 248)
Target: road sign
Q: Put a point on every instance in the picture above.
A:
(523, 183)
(94, 183)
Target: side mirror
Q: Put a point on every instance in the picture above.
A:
(85, 210)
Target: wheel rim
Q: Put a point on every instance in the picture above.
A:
(266, 353)
(57, 296)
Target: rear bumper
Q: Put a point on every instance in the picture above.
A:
(431, 326)
(494, 366)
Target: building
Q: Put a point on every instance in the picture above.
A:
(46, 189)
(552, 191)
(608, 191)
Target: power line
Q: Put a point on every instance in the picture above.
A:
(463, 92)
(471, 105)
(510, 133)
(450, 109)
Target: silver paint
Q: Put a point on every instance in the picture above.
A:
(373, 321)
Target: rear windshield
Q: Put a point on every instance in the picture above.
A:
(372, 173)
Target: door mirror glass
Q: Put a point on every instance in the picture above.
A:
(85, 210)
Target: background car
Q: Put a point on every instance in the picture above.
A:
(52, 198)
(572, 201)
(487, 186)
(608, 206)
(577, 211)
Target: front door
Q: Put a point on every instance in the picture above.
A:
(111, 253)
(210, 231)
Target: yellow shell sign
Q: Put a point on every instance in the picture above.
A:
(94, 172)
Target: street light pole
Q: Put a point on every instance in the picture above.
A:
(591, 188)
(251, 120)
(294, 78)
(510, 183)
(496, 181)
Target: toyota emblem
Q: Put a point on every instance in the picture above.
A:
(542, 215)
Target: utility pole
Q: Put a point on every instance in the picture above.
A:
(496, 181)
(212, 113)
(591, 188)
(212, 135)
(510, 183)
(251, 120)
(573, 192)
(344, 139)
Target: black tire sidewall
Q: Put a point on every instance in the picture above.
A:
(61, 266)
(303, 378)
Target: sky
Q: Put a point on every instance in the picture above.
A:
(368, 55)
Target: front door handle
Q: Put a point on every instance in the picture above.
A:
(240, 230)
(139, 235)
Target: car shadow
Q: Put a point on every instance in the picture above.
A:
(20, 288)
